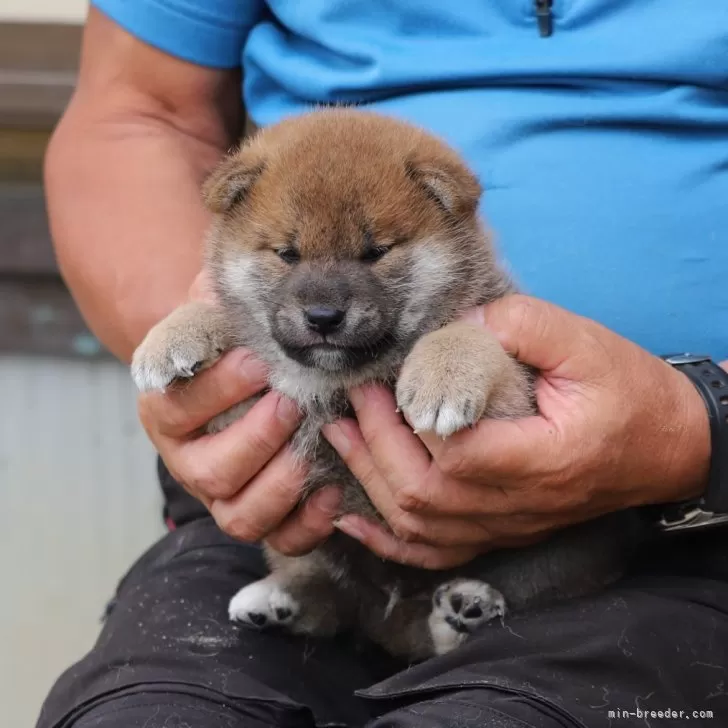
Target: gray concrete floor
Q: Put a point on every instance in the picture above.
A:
(78, 503)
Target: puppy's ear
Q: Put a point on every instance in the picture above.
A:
(231, 181)
(448, 182)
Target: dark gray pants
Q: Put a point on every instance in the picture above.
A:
(168, 656)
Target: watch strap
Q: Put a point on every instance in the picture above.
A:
(711, 509)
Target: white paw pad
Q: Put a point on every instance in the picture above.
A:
(459, 607)
(263, 604)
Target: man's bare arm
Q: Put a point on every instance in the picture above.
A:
(122, 176)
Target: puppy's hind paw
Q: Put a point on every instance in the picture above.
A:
(459, 607)
(263, 604)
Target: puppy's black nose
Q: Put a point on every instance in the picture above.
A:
(323, 319)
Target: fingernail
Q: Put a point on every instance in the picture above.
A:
(357, 396)
(254, 369)
(287, 410)
(328, 501)
(335, 434)
(348, 526)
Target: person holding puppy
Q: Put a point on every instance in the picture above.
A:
(606, 177)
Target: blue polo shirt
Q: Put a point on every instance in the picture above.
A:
(603, 147)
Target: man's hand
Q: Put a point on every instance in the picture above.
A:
(245, 475)
(617, 427)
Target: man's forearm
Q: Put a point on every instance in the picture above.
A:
(127, 219)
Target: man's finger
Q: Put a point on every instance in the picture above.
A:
(498, 452)
(309, 525)
(265, 502)
(396, 451)
(541, 334)
(406, 522)
(219, 464)
(203, 288)
(187, 406)
(346, 438)
(422, 556)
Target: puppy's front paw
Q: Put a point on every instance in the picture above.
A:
(459, 607)
(455, 376)
(443, 386)
(190, 339)
(263, 604)
(433, 404)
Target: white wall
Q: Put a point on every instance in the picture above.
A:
(42, 11)
(79, 501)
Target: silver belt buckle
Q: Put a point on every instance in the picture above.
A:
(694, 519)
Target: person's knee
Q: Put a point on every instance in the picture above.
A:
(152, 708)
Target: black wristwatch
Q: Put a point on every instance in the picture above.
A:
(710, 509)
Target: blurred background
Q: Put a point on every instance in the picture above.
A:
(77, 480)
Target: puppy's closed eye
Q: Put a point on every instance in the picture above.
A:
(288, 255)
(372, 255)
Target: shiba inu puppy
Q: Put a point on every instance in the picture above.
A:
(344, 247)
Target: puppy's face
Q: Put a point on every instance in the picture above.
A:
(340, 233)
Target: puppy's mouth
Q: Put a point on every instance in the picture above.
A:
(337, 357)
